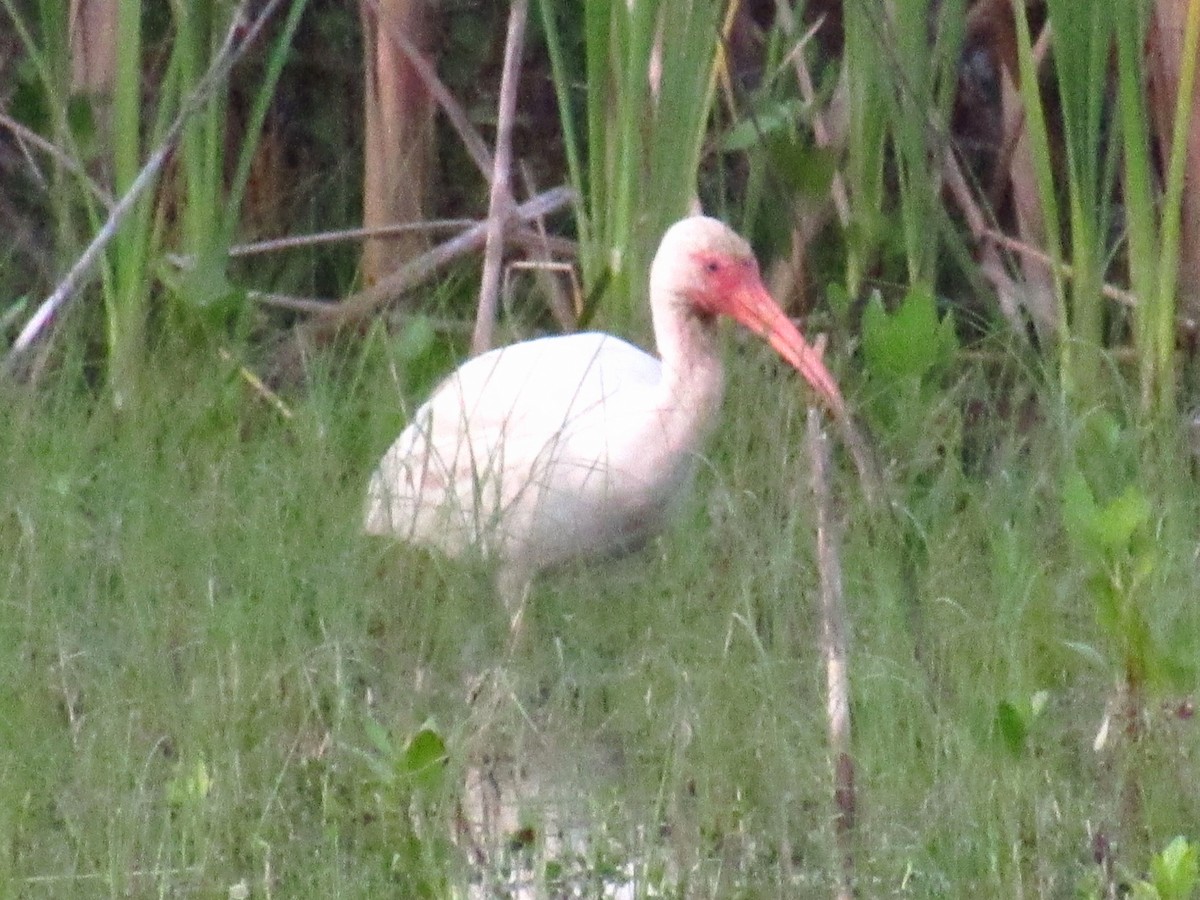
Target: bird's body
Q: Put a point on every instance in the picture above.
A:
(547, 467)
(578, 445)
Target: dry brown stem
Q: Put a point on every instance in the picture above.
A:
(287, 364)
(834, 652)
(500, 197)
(455, 114)
(1165, 61)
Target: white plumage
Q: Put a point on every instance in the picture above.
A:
(577, 445)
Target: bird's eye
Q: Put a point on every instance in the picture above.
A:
(712, 266)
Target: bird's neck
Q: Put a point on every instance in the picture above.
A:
(692, 375)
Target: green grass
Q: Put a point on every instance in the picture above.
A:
(196, 640)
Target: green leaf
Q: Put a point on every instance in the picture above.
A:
(1012, 725)
(425, 758)
(81, 119)
(780, 117)
(1109, 608)
(1121, 518)
(204, 283)
(1079, 509)
(909, 343)
(190, 784)
(417, 338)
(804, 169)
(839, 299)
(29, 104)
(1102, 529)
(207, 295)
(1175, 871)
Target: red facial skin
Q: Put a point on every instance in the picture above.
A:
(732, 287)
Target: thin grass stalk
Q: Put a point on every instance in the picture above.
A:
(276, 59)
(365, 303)
(835, 653)
(50, 56)
(604, 96)
(680, 111)
(49, 53)
(631, 28)
(649, 86)
(52, 60)
(911, 105)
(600, 84)
(126, 207)
(754, 191)
(637, 28)
(1163, 314)
(572, 139)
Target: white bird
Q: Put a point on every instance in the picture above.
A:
(577, 445)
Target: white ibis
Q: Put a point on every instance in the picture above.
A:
(576, 445)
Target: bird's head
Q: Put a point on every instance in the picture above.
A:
(706, 268)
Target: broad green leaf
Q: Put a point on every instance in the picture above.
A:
(910, 342)
(804, 169)
(780, 117)
(1079, 509)
(1121, 517)
(425, 758)
(1175, 871)
(205, 288)
(1103, 528)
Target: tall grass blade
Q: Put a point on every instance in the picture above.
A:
(1139, 192)
(923, 90)
(1163, 315)
(127, 283)
(1082, 39)
(648, 69)
(866, 80)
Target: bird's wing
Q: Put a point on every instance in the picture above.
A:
(481, 441)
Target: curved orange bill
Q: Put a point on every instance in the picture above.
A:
(752, 306)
